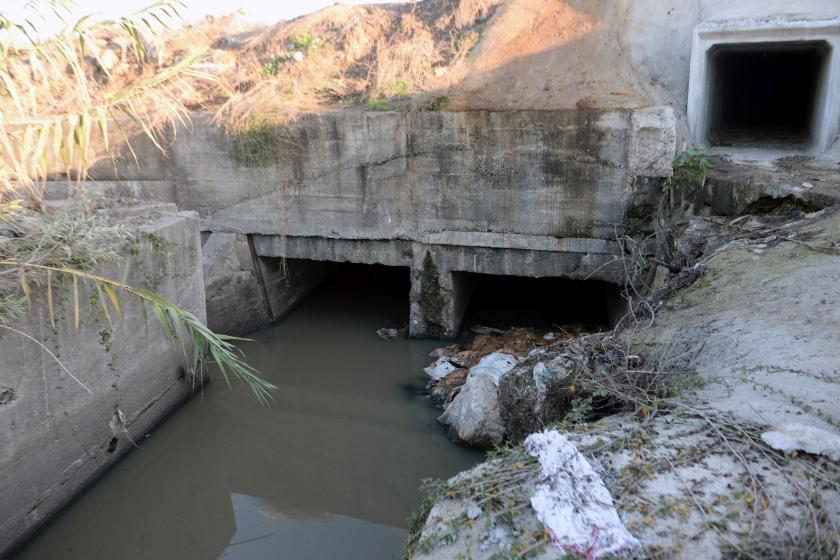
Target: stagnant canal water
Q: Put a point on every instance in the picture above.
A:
(330, 471)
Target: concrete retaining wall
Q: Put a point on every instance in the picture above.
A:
(527, 193)
(55, 437)
(354, 175)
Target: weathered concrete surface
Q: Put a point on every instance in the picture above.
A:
(604, 54)
(54, 435)
(678, 489)
(235, 302)
(528, 193)
(560, 174)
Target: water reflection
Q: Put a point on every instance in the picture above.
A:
(262, 531)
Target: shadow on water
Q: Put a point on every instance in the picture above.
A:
(331, 470)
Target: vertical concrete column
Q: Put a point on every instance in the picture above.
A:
(439, 297)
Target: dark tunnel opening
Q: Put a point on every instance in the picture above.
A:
(765, 94)
(542, 303)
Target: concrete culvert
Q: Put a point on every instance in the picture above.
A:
(512, 301)
(765, 94)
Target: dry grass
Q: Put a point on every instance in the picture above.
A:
(386, 54)
(67, 98)
(70, 99)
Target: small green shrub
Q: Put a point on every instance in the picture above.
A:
(257, 145)
(271, 67)
(305, 41)
(466, 42)
(432, 490)
(690, 167)
(378, 103)
(439, 103)
(399, 87)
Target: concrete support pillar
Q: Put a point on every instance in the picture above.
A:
(439, 298)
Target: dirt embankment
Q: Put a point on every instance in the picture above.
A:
(435, 54)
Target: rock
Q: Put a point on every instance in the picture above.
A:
(444, 351)
(792, 437)
(524, 406)
(493, 365)
(446, 389)
(473, 415)
(439, 369)
(659, 278)
(465, 358)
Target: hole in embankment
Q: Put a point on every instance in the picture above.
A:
(765, 93)
(513, 301)
(7, 394)
(782, 206)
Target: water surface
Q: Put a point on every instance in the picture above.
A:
(330, 471)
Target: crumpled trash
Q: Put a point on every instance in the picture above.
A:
(119, 426)
(799, 437)
(572, 501)
(387, 333)
(494, 365)
(439, 369)
(542, 375)
(473, 511)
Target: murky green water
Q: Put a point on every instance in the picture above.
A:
(330, 471)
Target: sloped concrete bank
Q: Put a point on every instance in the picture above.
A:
(738, 459)
(57, 436)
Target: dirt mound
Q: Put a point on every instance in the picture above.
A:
(435, 54)
(377, 57)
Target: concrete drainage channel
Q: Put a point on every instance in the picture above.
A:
(450, 210)
(359, 247)
(246, 253)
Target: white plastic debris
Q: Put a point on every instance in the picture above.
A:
(572, 501)
(439, 369)
(119, 426)
(799, 437)
(549, 336)
(298, 56)
(494, 365)
(542, 375)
